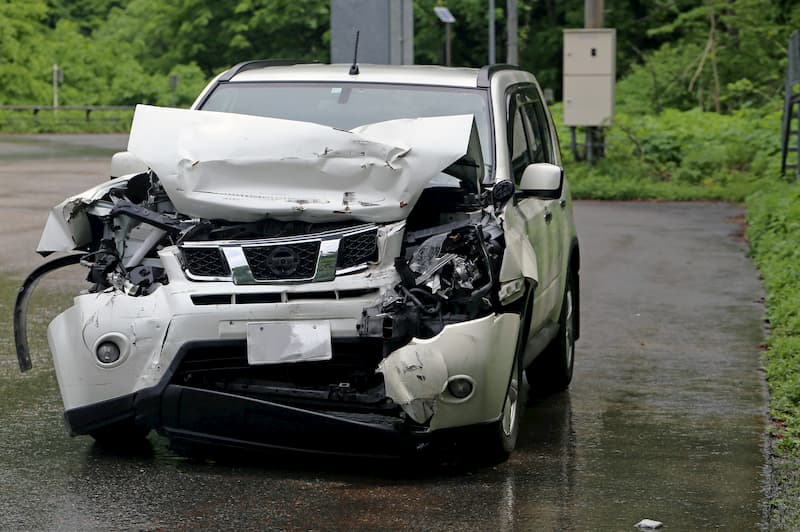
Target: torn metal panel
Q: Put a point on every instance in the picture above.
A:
(244, 168)
(414, 376)
(67, 226)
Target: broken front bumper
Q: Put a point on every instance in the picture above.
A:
(156, 331)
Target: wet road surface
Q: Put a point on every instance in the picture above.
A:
(664, 419)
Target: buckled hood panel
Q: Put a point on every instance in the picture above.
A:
(244, 168)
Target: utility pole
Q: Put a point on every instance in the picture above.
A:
(592, 18)
(58, 77)
(512, 54)
(593, 13)
(492, 55)
(447, 18)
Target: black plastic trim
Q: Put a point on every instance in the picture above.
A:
(90, 418)
(260, 63)
(486, 72)
(21, 305)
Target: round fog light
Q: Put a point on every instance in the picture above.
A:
(459, 387)
(108, 352)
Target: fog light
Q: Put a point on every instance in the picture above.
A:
(459, 387)
(108, 352)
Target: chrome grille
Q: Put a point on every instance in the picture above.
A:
(206, 262)
(315, 257)
(358, 249)
(284, 262)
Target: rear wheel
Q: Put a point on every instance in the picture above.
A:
(552, 370)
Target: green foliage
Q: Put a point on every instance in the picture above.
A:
(682, 155)
(773, 219)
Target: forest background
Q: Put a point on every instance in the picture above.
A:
(699, 98)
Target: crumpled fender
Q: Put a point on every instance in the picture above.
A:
(519, 259)
(67, 226)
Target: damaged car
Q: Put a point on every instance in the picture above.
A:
(314, 257)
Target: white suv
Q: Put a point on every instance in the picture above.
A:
(313, 257)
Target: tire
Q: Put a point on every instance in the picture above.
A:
(551, 372)
(502, 436)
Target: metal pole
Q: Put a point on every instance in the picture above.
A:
(593, 13)
(592, 18)
(512, 54)
(55, 88)
(447, 44)
(492, 59)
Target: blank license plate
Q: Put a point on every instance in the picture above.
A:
(281, 342)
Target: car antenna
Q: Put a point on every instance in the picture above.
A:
(354, 66)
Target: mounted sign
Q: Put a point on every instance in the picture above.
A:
(444, 15)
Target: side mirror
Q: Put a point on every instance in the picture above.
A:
(542, 180)
(124, 163)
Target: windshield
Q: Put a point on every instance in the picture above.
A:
(349, 105)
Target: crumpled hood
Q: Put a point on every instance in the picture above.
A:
(244, 168)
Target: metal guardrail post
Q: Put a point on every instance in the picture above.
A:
(791, 98)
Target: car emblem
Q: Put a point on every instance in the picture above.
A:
(282, 261)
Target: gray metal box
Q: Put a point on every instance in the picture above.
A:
(589, 76)
(386, 26)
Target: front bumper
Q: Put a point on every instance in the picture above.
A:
(158, 329)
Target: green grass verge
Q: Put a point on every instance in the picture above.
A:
(773, 219)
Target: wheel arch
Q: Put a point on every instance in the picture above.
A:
(573, 267)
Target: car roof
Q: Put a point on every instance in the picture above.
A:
(368, 73)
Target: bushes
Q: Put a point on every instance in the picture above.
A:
(682, 155)
(774, 231)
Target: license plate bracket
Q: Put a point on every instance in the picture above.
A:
(282, 342)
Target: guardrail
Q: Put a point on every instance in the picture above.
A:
(87, 109)
(74, 118)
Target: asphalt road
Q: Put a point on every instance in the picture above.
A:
(664, 420)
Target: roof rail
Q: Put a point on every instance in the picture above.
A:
(486, 72)
(260, 63)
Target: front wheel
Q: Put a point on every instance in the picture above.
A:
(551, 372)
(502, 436)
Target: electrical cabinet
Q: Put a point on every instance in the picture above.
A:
(589, 76)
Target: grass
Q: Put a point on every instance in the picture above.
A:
(773, 218)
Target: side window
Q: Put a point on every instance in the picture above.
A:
(541, 145)
(518, 141)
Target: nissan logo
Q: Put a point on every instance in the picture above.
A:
(282, 261)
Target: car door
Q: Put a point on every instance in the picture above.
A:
(542, 146)
(532, 211)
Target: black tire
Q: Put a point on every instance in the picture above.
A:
(502, 436)
(551, 372)
(121, 434)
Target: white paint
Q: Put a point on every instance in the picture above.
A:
(245, 168)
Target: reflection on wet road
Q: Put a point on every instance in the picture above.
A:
(664, 419)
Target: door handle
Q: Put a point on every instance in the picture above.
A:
(562, 203)
(548, 216)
